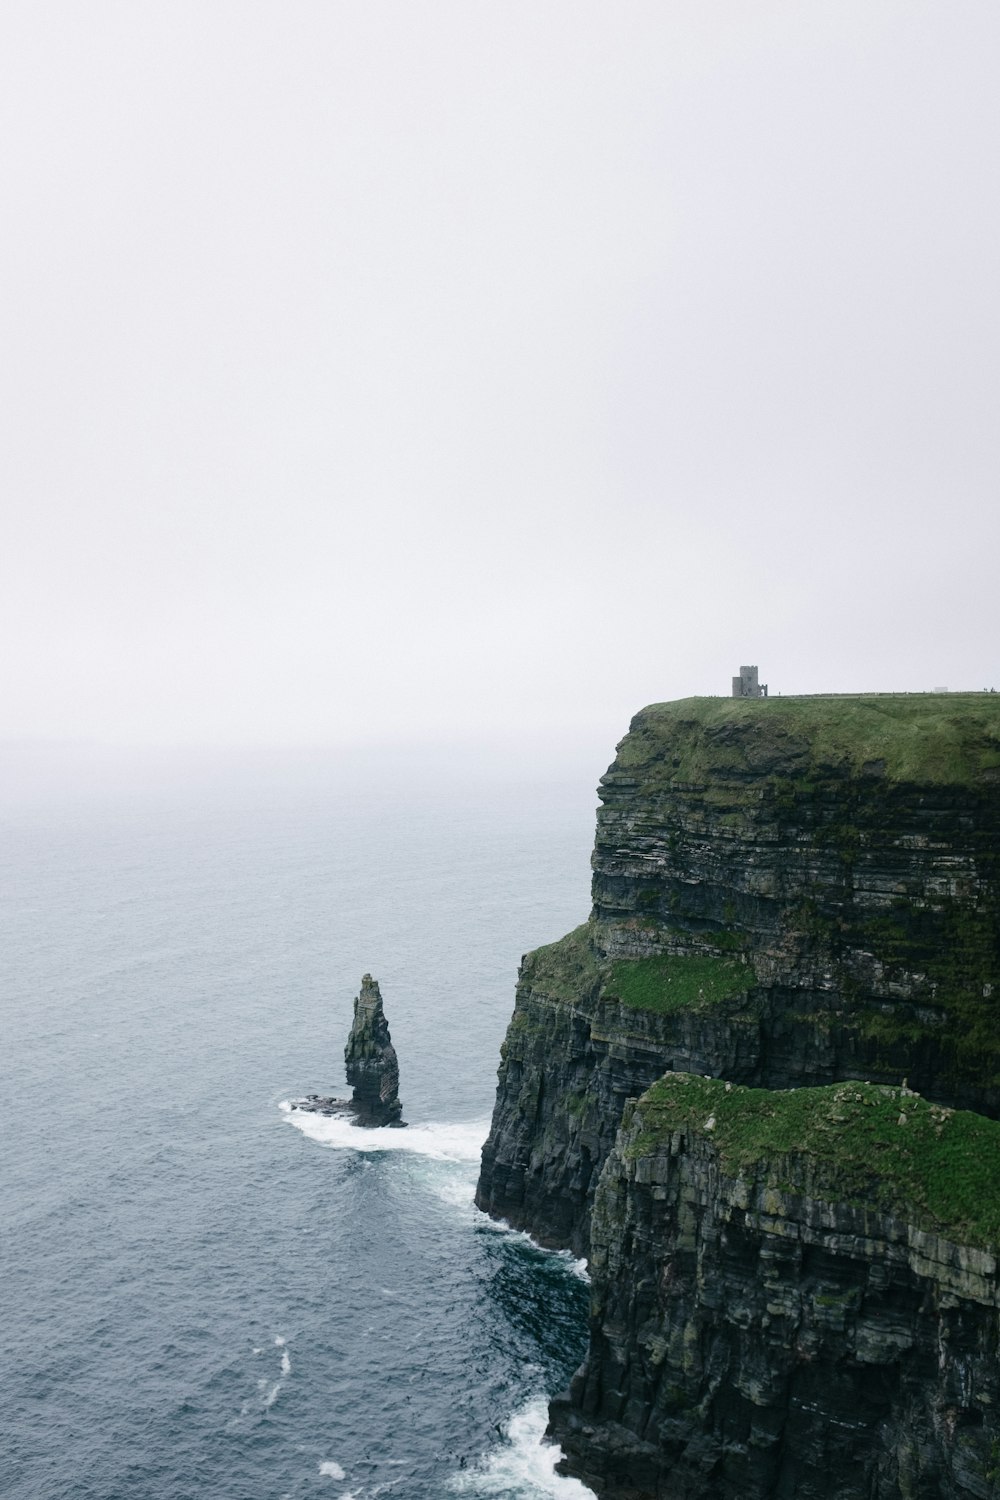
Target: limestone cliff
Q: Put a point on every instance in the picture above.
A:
(788, 894)
(793, 1294)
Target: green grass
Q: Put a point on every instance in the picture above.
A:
(918, 738)
(851, 1142)
(566, 970)
(673, 982)
(570, 970)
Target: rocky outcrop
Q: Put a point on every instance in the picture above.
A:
(785, 1303)
(370, 1059)
(788, 894)
(573, 1055)
(372, 1067)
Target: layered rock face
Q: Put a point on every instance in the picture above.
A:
(777, 1309)
(849, 848)
(573, 1055)
(787, 894)
(833, 866)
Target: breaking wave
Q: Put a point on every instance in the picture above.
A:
(442, 1142)
(524, 1466)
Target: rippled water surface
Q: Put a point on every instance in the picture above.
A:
(205, 1294)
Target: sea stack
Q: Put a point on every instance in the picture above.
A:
(370, 1059)
(371, 1064)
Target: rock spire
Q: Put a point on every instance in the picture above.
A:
(372, 1068)
(370, 1059)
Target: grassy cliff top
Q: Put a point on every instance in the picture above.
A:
(856, 1142)
(921, 738)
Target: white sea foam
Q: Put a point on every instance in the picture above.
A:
(457, 1190)
(440, 1142)
(500, 1226)
(330, 1469)
(524, 1467)
(285, 1369)
(443, 1142)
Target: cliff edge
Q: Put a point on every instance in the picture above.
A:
(790, 895)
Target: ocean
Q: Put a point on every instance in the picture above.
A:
(203, 1293)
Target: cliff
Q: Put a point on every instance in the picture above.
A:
(788, 894)
(794, 1294)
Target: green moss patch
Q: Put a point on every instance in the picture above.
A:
(861, 1143)
(566, 970)
(673, 982)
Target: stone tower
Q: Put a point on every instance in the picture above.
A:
(747, 686)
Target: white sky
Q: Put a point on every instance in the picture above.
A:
(410, 370)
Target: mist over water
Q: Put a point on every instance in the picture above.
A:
(201, 1299)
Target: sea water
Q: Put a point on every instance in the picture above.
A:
(203, 1292)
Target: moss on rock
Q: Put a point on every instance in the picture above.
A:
(674, 982)
(884, 1147)
(565, 970)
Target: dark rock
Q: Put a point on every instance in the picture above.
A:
(370, 1059)
(372, 1067)
(755, 1335)
(572, 1058)
(867, 912)
(840, 859)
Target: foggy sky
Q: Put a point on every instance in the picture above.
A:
(391, 370)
